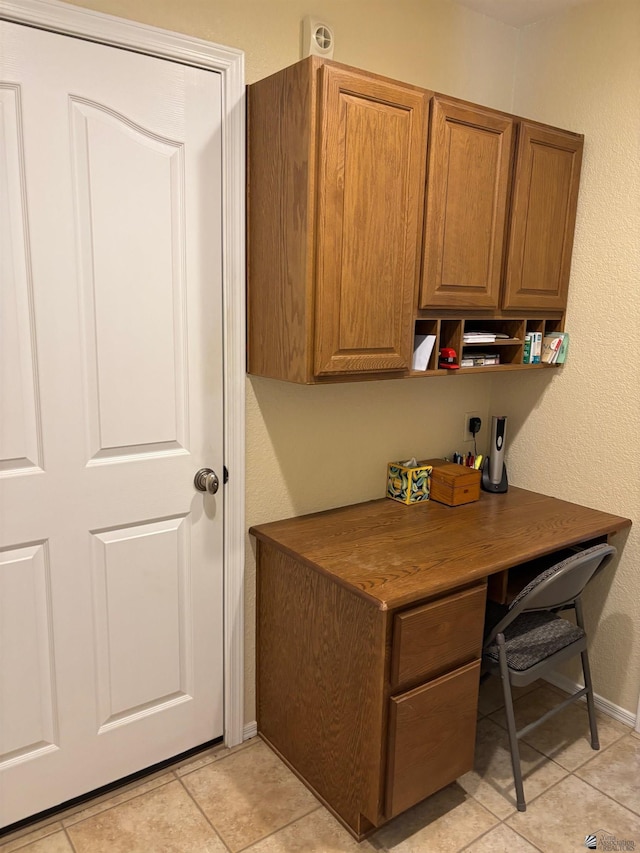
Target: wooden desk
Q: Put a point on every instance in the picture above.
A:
(369, 632)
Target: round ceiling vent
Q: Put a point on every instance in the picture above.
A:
(317, 38)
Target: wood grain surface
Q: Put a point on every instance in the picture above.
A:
(393, 555)
(320, 663)
(431, 737)
(438, 636)
(467, 192)
(543, 216)
(281, 145)
(370, 192)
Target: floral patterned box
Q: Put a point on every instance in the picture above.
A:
(409, 485)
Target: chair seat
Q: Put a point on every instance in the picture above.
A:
(532, 637)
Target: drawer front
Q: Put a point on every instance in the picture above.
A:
(432, 733)
(438, 636)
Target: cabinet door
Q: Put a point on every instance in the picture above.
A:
(370, 200)
(543, 218)
(432, 733)
(467, 187)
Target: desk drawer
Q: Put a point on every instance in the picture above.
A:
(432, 733)
(438, 636)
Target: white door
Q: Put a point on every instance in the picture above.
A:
(111, 635)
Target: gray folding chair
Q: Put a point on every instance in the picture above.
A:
(528, 638)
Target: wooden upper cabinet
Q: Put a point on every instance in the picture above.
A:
(370, 195)
(467, 189)
(543, 218)
(335, 170)
(346, 257)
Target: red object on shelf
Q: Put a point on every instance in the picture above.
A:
(448, 359)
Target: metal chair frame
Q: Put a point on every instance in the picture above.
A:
(555, 590)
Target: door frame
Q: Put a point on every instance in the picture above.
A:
(75, 21)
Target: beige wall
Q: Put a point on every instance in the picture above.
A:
(312, 448)
(576, 436)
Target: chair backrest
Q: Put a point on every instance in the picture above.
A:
(557, 586)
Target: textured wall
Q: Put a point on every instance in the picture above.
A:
(575, 436)
(431, 43)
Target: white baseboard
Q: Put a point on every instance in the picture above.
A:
(608, 708)
(250, 730)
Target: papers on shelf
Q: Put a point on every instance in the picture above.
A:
(479, 338)
(480, 359)
(483, 337)
(422, 349)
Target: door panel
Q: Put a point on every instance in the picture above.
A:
(543, 218)
(29, 720)
(467, 187)
(110, 560)
(20, 427)
(371, 191)
(144, 567)
(124, 177)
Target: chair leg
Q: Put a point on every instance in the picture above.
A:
(591, 708)
(586, 669)
(511, 724)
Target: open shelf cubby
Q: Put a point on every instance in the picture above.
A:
(506, 348)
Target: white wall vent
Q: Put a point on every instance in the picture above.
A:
(317, 38)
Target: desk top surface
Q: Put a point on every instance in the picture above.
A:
(393, 554)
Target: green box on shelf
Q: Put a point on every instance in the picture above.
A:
(408, 485)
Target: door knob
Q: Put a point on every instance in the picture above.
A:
(206, 480)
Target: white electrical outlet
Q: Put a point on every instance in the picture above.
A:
(467, 435)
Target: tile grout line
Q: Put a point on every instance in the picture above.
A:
(284, 826)
(69, 839)
(181, 778)
(492, 829)
(28, 831)
(233, 751)
(68, 814)
(109, 806)
(596, 752)
(482, 835)
(519, 834)
(217, 833)
(608, 796)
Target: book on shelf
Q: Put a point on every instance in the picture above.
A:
(554, 348)
(536, 347)
(422, 349)
(564, 347)
(526, 352)
(550, 348)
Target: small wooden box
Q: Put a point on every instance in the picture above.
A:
(453, 484)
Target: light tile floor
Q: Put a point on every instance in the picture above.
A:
(245, 799)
